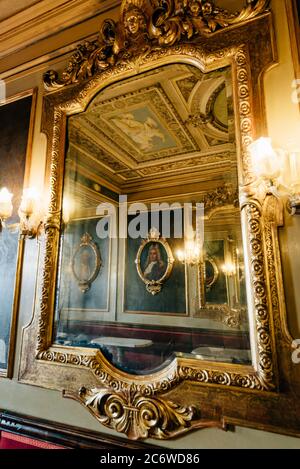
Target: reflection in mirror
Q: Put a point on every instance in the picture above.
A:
(142, 161)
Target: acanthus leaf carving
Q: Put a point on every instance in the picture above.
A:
(145, 25)
(226, 194)
(140, 416)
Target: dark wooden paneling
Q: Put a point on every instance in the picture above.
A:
(67, 436)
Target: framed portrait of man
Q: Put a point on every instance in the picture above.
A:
(154, 262)
(154, 259)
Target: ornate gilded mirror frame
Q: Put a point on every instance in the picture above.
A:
(187, 394)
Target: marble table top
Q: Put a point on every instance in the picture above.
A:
(122, 342)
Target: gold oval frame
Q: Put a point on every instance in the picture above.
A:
(215, 270)
(155, 286)
(187, 393)
(86, 241)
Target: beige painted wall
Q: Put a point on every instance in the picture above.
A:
(284, 126)
(284, 123)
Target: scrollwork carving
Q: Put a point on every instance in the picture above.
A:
(231, 317)
(223, 195)
(140, 416)
(145, 25)
(266, 361)
(174, 19)
(227, 194)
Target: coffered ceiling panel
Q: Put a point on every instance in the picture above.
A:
(169, 120)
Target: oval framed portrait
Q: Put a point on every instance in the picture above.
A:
(86, 263)
(211, 273)
(154, 262)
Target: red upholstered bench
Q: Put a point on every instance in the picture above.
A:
(12, 441)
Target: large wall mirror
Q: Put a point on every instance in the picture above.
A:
(163, 138)
(160, 286)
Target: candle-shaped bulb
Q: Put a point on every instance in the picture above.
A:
(6, 207)
(180, 255)
(29, 201)
(265, 161)
(229, 269)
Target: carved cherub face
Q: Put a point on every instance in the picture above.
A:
(207, 8)
(198, 7)
(134, 21)
(195, 7)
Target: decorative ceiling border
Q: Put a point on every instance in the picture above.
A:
(32, 24)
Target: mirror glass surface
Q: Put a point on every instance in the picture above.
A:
(15, 117)
(151, 257)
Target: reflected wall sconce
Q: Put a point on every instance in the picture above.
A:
(29, 211)
(30, 214)
(191, 255)
(6, 206)
(229, 269)
(279, 169)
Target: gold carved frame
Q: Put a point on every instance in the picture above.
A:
(188, 393)
(86, 241)
(154, 286)
(212, 262)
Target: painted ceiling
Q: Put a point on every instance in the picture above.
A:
(167, 121)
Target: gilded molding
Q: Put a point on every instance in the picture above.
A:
(231, 317)
(73, 100)
(265, 343)
(223, 195)
(144, 26)
(273, 211)
(139, 415)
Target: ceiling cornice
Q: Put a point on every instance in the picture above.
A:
(46, 18)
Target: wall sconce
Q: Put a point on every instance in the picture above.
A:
(229, 269)
(29, 212)
(6, 207)
(68, 209)
(279, 169)
(191, 255)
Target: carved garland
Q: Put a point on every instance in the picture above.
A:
(145, 25)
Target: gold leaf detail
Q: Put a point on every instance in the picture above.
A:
(140, 416)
